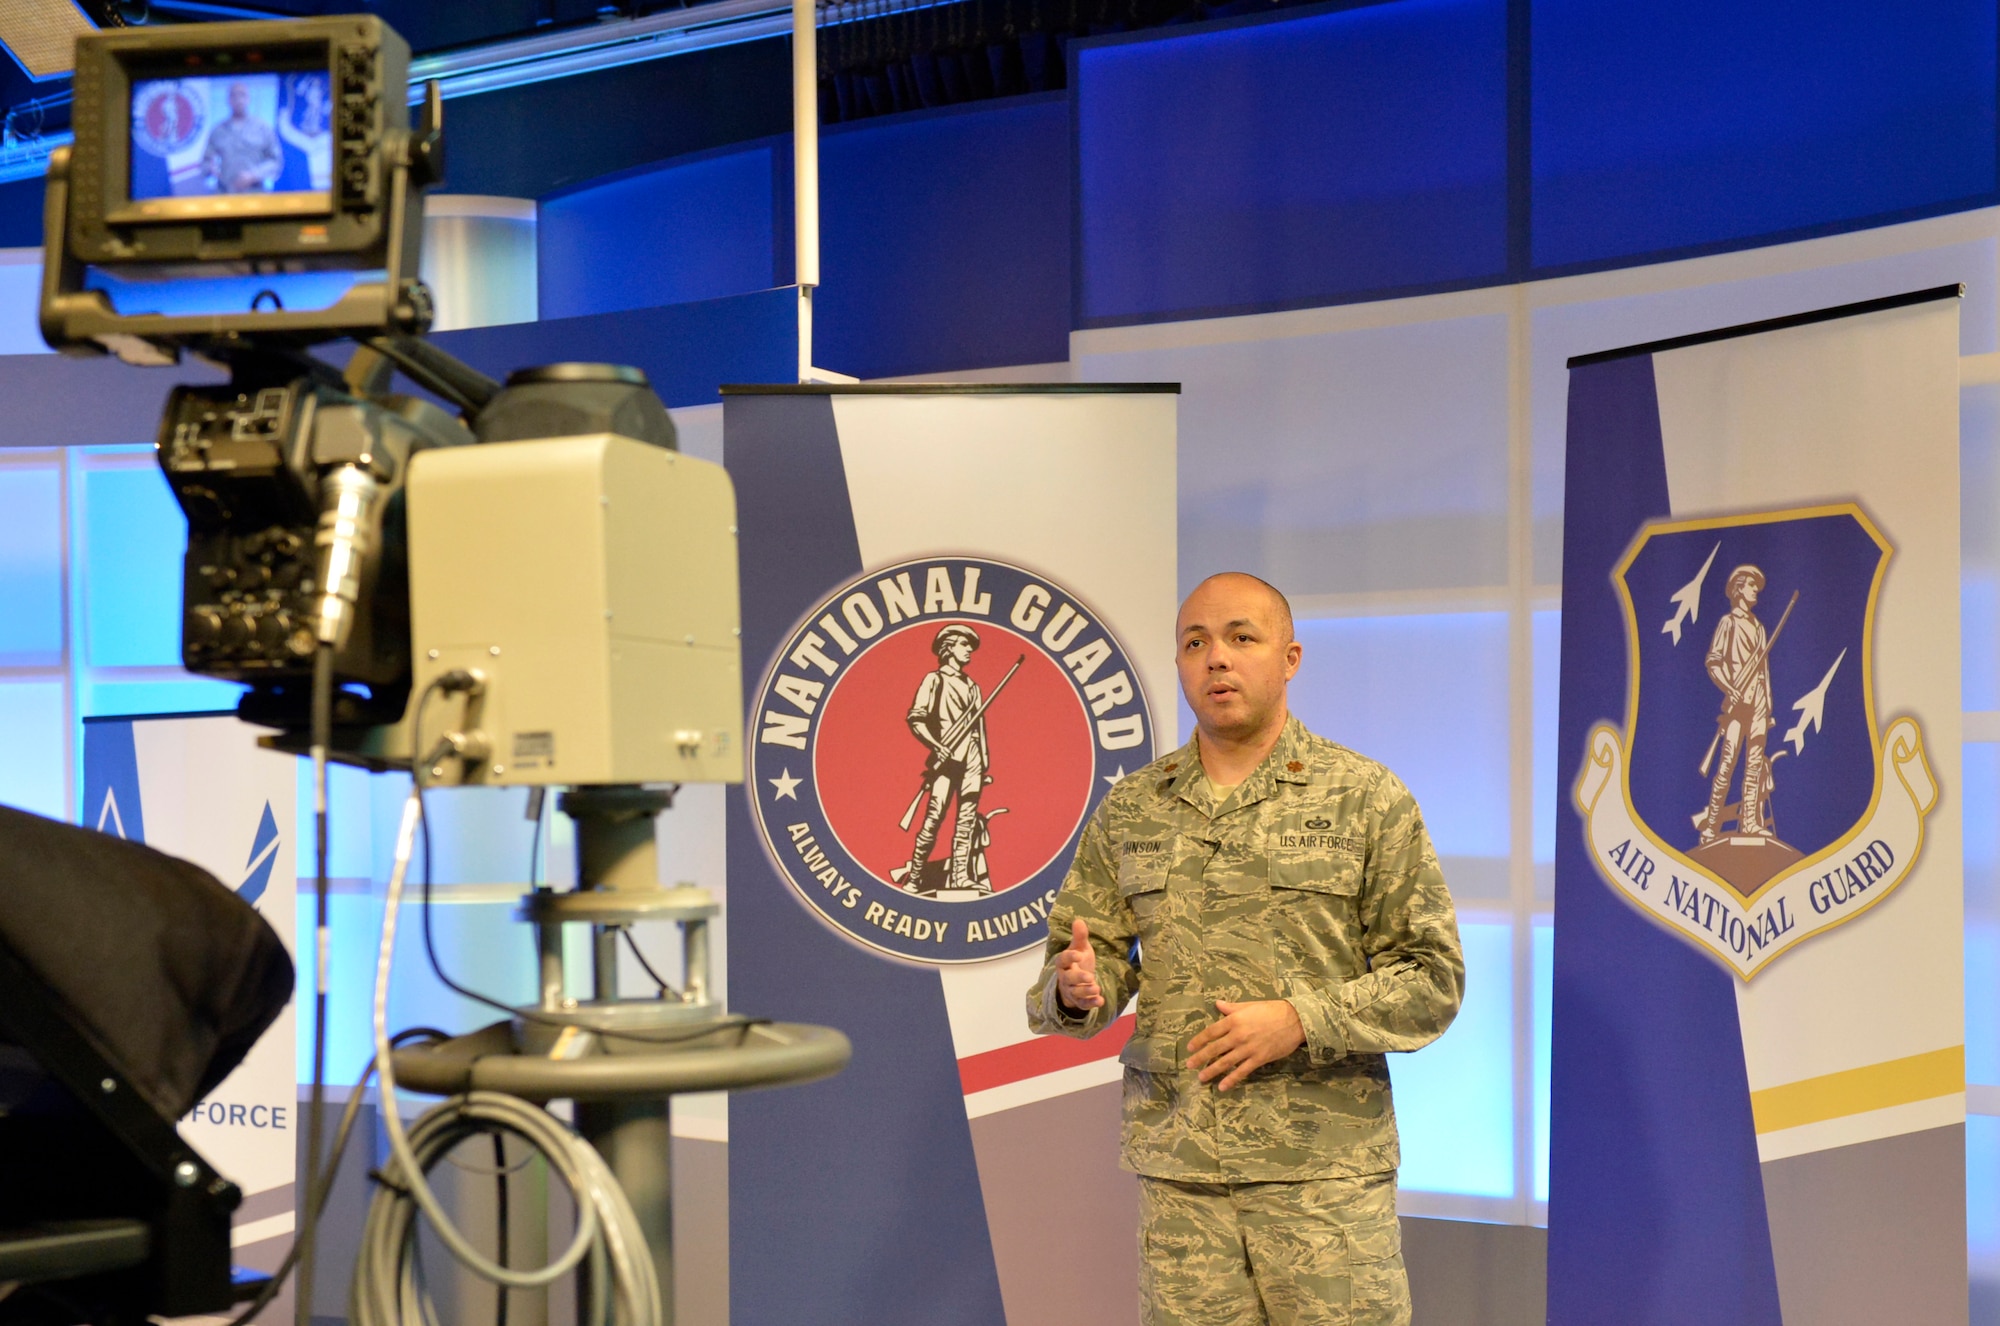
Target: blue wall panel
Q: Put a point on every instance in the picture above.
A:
(698, 229)
(31, 567)
(686, 350)
(1312, 157)
(1426, 694)
(56, 401)
(945, 240)
(1669, 124)
(133, 536)
(21, 213)
(1455, 1097)
(944, 237)
(1980, 796)
(1982, 1215)
(34, 733)
(1306, 160)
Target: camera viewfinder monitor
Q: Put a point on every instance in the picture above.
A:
(259, 142)
(234, 142)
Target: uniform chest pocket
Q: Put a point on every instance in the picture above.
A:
(1316, 908)
(1142, 877)
(1331, 877)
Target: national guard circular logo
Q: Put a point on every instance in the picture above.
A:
(928, 743)
(1753, 799)
(165, 118)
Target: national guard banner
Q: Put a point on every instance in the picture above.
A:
(199, 788)
(1758, 1077)
(958, 609)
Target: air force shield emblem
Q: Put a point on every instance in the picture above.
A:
(1752, 801)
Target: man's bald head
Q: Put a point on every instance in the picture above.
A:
(1280, 606)
(1235, 653)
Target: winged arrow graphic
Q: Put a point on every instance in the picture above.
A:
(1812, 708)
(1688, 596)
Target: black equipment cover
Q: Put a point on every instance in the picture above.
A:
(167, 973)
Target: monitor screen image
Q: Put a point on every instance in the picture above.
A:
(232, 134)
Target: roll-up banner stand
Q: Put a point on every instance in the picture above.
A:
(199, 788)
(996, 566)
(1758, 1087)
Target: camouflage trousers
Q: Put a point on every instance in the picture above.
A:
(1321, 1252)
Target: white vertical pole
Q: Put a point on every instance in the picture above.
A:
(1521, 737)
(805, 170)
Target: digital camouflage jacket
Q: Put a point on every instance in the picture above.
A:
(1312, 881)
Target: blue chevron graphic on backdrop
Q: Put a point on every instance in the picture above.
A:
(263, 855)
(111, 801)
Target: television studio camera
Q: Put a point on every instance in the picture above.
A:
(487, 585)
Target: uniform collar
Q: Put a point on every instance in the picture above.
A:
(1285, 764)
(1289, 762)
(1181, 769)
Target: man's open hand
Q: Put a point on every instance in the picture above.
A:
(1076, 971)
(1244, 1039)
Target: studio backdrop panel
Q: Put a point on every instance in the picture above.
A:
(1758, 1066)
(199, 788)
(996, 567)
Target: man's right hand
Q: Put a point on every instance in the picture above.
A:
(1076, 972)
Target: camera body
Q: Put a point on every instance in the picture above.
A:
(263, 150)
(557, 545)
(537, 562)
(249, 470)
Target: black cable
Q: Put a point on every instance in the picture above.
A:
(528, 1015)
(633, 944)
(408, 1034)
(500, 1222)
(535, 843)
(435, 370)
(417, 773)
(322, 737)
(487, 1171)
(317, 1194)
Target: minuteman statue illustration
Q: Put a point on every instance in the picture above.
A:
(948, 716)
(1739, 663)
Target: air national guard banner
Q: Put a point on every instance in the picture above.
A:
(200, 789)
(1758, 1086)
(958, 611)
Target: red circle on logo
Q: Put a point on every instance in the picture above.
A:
(170, 117)
(867, 766)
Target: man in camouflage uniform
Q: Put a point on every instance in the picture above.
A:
(1291, 926)
(242, 153)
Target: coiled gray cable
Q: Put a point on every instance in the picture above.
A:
(385, 1290)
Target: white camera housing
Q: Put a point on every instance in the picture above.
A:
(591, 583)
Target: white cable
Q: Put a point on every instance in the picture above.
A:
(385, 1291)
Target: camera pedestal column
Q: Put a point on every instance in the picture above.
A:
(620, 1060)
(616, 852)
